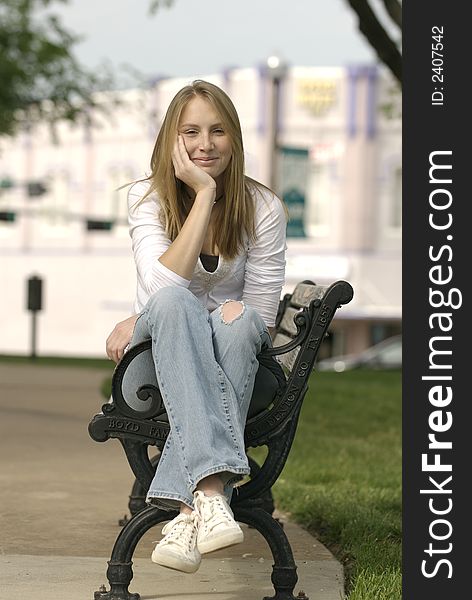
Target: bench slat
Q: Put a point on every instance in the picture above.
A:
(304, 293)
(288, 359)
(287, 324)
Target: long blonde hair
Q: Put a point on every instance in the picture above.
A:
(235, 219)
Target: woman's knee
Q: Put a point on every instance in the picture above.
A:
(237, 329)
(237, 310)
(231, 310)
(240, 320)
(169, 300)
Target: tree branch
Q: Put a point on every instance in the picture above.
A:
(394, 9)
(377, 37)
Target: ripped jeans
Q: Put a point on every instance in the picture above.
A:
(205, 367)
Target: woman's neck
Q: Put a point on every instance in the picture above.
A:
(190, 193)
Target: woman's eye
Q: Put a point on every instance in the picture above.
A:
(190, 132)
(219, 131)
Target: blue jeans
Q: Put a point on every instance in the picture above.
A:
(205, 368)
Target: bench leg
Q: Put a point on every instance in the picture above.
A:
(120, 572)
(137, 499)
(284, 571)
(266, 498)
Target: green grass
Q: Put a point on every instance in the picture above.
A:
(59, 361)
(342, 480)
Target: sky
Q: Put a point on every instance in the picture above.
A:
(197, 37)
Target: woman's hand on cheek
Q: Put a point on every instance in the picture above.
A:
(187, 171)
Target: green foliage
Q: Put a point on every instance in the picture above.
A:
(41, 79)
(155, 5)
(342, 480)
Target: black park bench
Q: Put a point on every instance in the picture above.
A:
(138, 419)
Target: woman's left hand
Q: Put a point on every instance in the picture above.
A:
(189, 172)
(120, 337)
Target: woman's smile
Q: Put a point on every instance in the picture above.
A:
(205, 160)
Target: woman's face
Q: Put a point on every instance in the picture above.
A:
(208, 144)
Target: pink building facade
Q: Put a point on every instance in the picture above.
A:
(329, 137)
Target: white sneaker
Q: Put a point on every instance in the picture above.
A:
(178, 549)
(217, 527)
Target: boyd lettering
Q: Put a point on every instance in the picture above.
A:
(123, 425)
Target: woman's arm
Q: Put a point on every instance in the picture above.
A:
(182, 255)
(149, 241)
(265, 265)
(160, 262)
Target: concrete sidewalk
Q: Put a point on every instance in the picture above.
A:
(61, 496)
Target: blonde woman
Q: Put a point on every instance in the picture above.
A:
(209, 247)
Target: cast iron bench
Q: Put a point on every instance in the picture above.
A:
(138, 419)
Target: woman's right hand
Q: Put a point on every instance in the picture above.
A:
(187, 171)
(120, 337)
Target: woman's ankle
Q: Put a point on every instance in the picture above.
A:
(185, 510)
(211, 485)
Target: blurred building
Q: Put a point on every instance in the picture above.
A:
(328, 139)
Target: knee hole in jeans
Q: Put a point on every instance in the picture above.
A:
(231, 310)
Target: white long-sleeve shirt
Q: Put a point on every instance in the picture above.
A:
(255, 276)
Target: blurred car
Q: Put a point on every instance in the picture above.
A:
(384, 355)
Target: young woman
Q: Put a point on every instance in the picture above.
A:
(209, 246)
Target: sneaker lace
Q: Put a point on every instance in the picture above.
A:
(212, 510)
(181, 531)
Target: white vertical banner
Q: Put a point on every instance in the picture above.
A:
(293, 175)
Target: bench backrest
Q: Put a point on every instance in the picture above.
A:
(302, 323)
